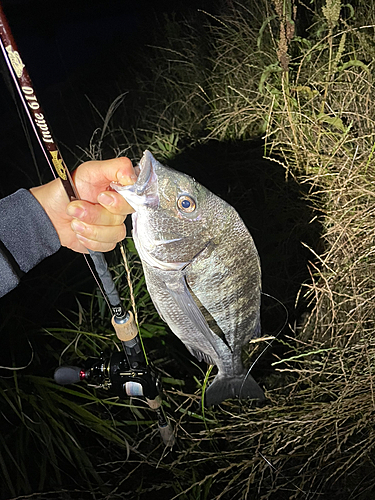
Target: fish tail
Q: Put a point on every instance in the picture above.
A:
(223, 388)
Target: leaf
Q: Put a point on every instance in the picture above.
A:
(173, 381)
(351, 8)
(272, 68)
(262, 28)
(331, 120)
(3, 467)
(354, 62)
(150, 330)
(306, 90)
(304, 354)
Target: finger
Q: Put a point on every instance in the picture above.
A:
(97, 246)
(78, 246)
(115, 203)
(102, 234)
(90, 213)
(102, 173)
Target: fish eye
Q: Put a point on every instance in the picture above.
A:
(186, 204)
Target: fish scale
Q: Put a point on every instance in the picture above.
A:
(202, 271)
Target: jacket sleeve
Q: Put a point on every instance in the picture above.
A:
(27, 236)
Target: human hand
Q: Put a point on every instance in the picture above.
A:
(96, 221)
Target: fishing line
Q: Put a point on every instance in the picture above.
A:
(132, 298)
(270, 343)
(280, 473)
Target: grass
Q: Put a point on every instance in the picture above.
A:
(302, 78)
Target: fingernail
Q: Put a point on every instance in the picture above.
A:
(77, 212)
(77, 226)
(105, 199)
(125, 179)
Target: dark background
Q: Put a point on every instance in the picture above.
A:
(80, 53)
(75, 52)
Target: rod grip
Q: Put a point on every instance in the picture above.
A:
(126, 329)
(165, 428)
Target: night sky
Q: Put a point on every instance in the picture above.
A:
(74, 52)
(60, 37)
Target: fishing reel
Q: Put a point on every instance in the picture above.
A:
(120, 374)
(124, 373)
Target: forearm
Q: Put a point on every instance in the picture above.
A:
(27, 236)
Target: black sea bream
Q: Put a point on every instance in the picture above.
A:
(202, 271)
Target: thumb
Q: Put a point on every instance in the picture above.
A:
(102, 173)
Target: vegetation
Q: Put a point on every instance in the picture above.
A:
(301, 77)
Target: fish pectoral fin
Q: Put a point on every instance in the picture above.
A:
(184, 300)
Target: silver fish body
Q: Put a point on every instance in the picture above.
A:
(202, 271)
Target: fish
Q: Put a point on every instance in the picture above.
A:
(202, 271)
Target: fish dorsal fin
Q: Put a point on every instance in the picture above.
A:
(180, 293)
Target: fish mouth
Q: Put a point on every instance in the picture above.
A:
(145, 190)
(145, 173)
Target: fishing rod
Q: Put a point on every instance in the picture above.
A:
(126, 373)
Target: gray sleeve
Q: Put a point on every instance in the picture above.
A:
(27, 236)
